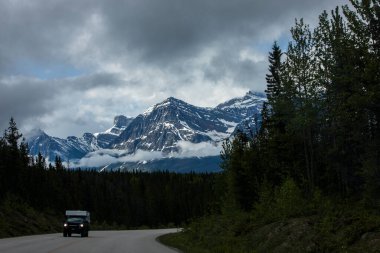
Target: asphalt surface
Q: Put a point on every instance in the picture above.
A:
(128, 241)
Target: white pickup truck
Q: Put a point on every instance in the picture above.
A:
(78, 222)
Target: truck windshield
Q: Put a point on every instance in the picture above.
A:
(74, 219)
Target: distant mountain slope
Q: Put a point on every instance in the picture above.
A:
(172, 126)
(249, 110)
(72, 148)
(246, 107)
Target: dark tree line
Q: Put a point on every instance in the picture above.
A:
(129, 199)
(321, 122)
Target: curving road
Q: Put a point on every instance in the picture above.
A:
(128, 241)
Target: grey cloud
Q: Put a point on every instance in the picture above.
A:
(38, 31)
(161, 32)
(95, 80)
(22, 98)
(158, 48)
(244, 72)
(165, 30)
(30, 99)
(168, 34)
(248, 72)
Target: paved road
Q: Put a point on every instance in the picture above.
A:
(128, 241)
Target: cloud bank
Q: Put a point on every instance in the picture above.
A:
(105, 157)
(70, 66)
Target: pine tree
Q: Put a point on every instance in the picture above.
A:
(274, 136)
(58, 163)
(364, 24)
(300, 68)
(273, 78)
(12, 159)
(40, 162)
(12, 135)
(237, 172)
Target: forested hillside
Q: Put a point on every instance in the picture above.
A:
(31, 189)
(309, 181)
(321, 123)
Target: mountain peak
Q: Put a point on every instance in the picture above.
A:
(250, 99)
(167, 102)
(35, 133)
(171, 100)
(255, 94)
(120, 121)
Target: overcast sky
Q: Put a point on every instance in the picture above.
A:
(70, 66)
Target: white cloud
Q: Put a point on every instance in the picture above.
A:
(105, 157)
(188, 149)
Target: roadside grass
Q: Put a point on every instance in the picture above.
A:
(180, 242)
(17, 218)
(319, 226)
(304, 234)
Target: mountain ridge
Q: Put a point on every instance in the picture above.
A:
(160, 128)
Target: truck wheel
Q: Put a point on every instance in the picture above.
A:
(69, 234)
(83, 234)
(64, 234)
(87, 234)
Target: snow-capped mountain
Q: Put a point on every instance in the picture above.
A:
(164, 124)
(71, 148)
(167, 128)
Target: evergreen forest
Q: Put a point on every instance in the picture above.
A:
(30, 188)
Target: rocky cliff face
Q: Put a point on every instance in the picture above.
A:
(104, 139)
(163, 125)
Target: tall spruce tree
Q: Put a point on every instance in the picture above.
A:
(12, 135)
(273, 77)
(300, 68)
(58, 163)
(273, 137)
(364, 24)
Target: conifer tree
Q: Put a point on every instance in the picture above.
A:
(58, 163)
(12, 135)
(273, 78)
(40, 162)
(300, 68)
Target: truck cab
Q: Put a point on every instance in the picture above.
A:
(76, 222)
